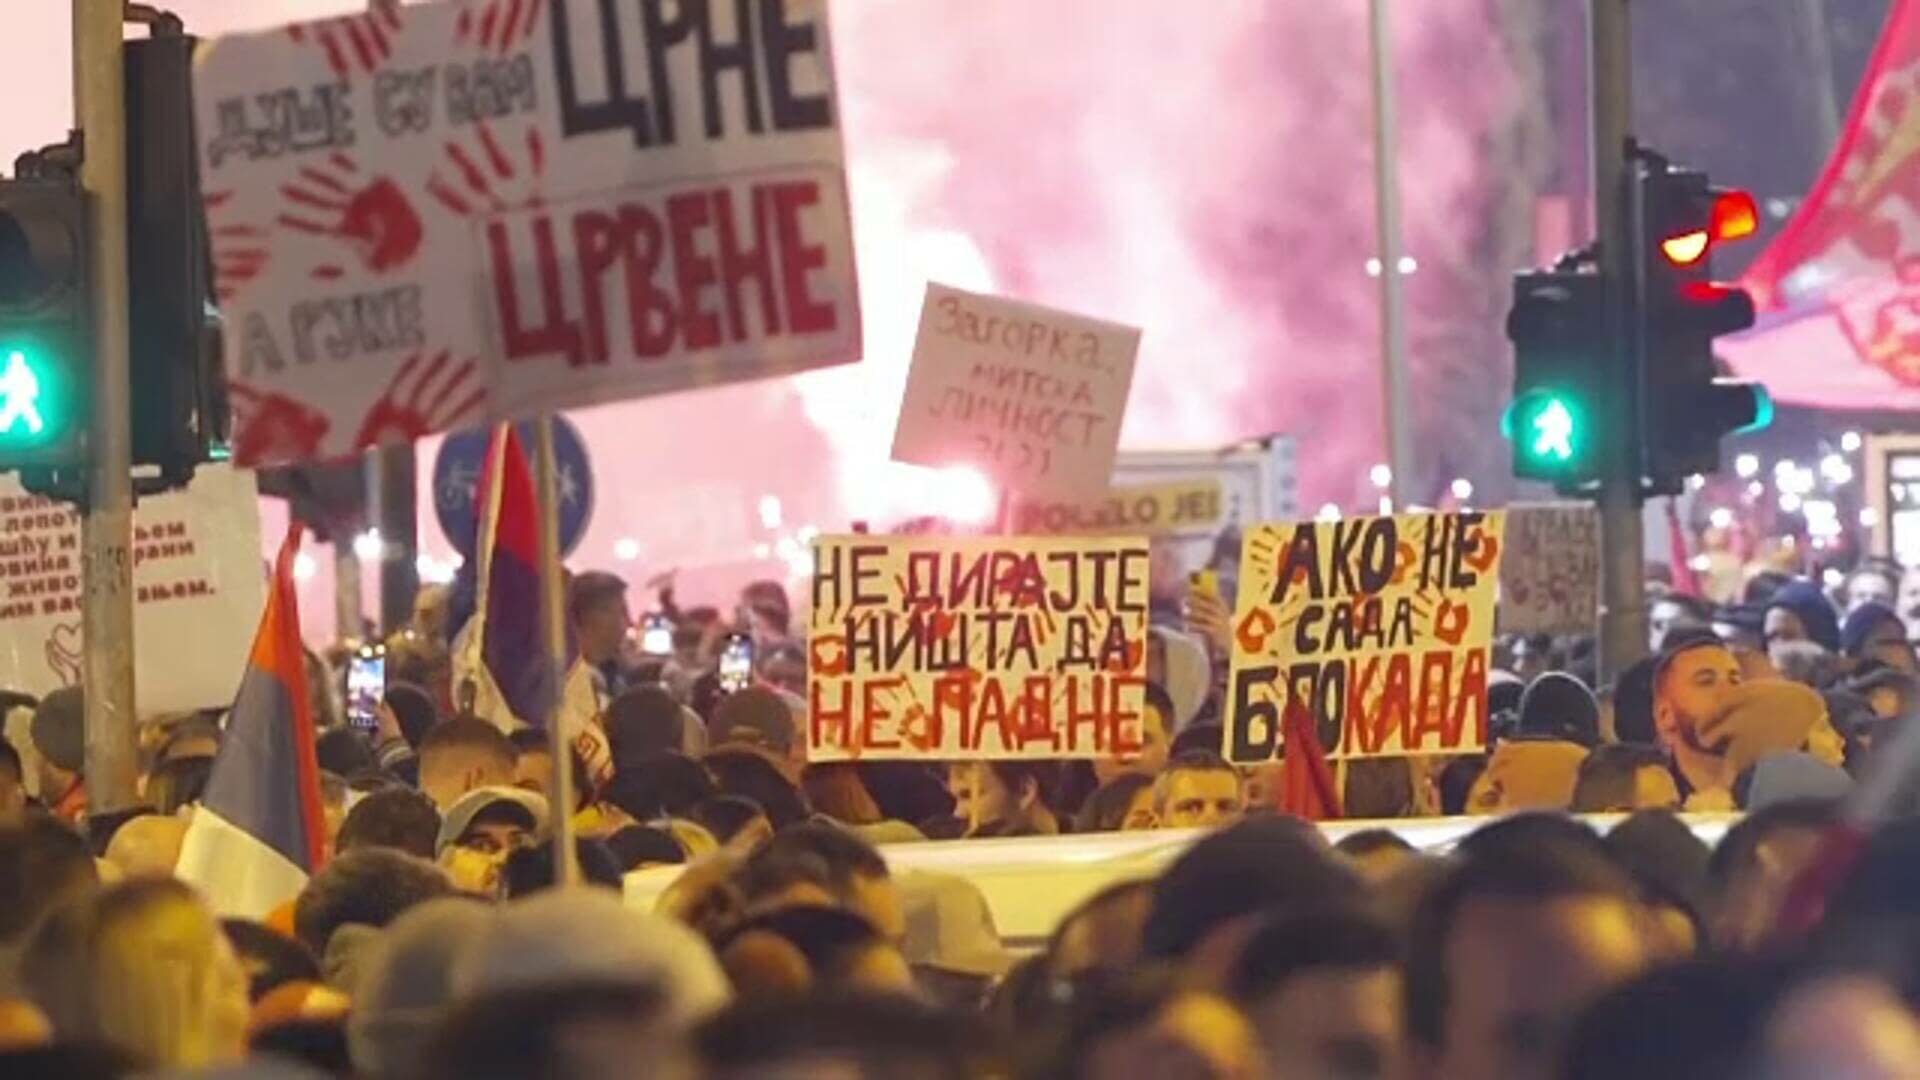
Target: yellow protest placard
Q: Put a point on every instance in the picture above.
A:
(1378, 627)
(950, 647)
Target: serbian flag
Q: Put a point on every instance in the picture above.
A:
(258, 834)
(504, 656)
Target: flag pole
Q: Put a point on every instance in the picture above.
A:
(566, 869)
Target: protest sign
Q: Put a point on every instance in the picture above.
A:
(1550, 574)
(1031, 397)
(435, 215)
(1189, 506)
(945, 648)
(198, 587)
(1377, 626)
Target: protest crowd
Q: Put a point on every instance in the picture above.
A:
(431, 939)
(581, 827)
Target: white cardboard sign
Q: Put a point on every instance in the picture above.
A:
(435, 215)
(198, 584)
(1031, 397)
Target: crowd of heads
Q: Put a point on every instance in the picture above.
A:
(777, 937)
(1787, 691)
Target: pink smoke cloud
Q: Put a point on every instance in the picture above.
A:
(1200, 170)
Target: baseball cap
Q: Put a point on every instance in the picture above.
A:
(531, 805)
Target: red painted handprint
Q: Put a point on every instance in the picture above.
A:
(373, 216)
(272, 427)
(352, 43)
(466, 186)
(240, 250)
(423, 399)
(498, 25)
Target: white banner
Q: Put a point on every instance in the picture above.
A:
(1031, 397)
(439, 214)
(198, 588)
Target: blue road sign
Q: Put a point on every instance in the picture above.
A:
(456, 482)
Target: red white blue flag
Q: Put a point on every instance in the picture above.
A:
(512, 648)
(258, 834)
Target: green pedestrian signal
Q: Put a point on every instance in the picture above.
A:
(20, 397)
(1553, 431)
(1549, 440)
(1559, 419)
(45, 360)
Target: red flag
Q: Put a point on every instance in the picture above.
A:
(1838, 287)
(1311, 791)
(1684, 579)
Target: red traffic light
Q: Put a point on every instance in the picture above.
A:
(1734, 216)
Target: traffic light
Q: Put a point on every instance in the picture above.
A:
(179, 413)
(1562, 416)
(1680, 219)
(177, 396)
(45, 359)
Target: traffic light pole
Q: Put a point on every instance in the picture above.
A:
(1623, 571)
(107, 530)
(1395, 387)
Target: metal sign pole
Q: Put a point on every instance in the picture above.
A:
(553, 620)
(99, 86)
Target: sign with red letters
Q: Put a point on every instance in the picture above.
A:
(944, 648)
(1378, 628)
(197, 591)
(435, 215)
